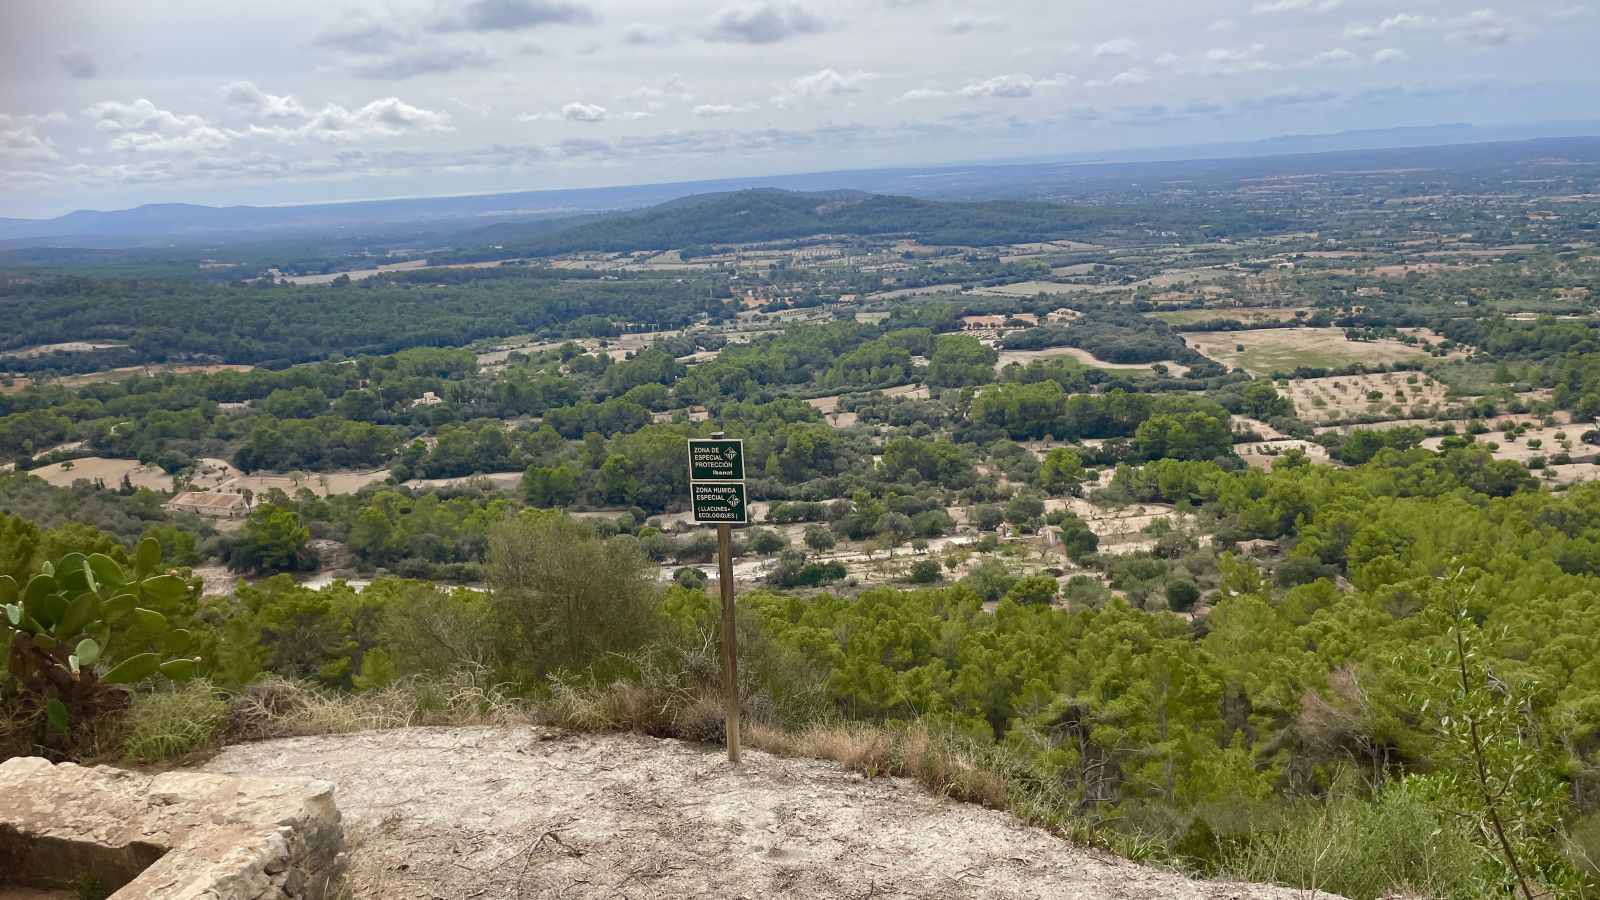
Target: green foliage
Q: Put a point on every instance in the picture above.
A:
(1368, 850)
(168, 724)
(1062, 473)
(83, 627)
(563, 599)
(1033, 590)
(961, 361)
(274, 540)
(924, 571)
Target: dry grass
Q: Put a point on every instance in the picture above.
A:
(167, 724)
(277, 707)
(682, 700)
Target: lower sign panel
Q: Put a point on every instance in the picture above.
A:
(721, 503)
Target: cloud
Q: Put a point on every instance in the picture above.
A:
(912, 96)
(1397, 22)
(78, 64)
(142, 126)
(20, 139)
(656, 96)
(640, 35)
(583, 112)
(389, 117)
(1569, 12)
(246, 96)
(1390, 55)
(709, 110)
(1014, 86)
(763, 22)
(511, 15)
(1279, 6)
(1220, 61)
(1130, 78)
(969, 24)
(1223, 25)
(829, 82)
(1485, 28)
(1338, 56)
(419, 60)
(362, 34)
(1117, 47)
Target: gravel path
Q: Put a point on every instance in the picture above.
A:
(490, 813)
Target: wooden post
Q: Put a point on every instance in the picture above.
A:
(730, 640)
(730, 653)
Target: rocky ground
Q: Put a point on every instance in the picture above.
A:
(487, 813)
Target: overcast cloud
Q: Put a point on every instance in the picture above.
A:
(107, 104)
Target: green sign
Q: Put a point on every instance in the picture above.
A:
(716, 460)
(719, 503)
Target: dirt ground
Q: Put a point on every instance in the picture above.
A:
(63, 474)
(1023, 357)
(501, 813)
(1341, 397)
(1269, 350)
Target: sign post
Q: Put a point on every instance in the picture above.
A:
(717, 496)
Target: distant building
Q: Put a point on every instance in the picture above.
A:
(428, 398)
(206, 503)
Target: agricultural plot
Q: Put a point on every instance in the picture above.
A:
(1250, 314)
(1267, 351)
(1370, 398)
(109, 471)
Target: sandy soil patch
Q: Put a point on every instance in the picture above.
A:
(320, 483)
(1262, 454)
(954, 288)
(110, 471)
(499, 813)
(22, 382)
(1270, 350)
(64, 347)
(407, 266)
(1023, 357)
(1030, 288)
(504, 481)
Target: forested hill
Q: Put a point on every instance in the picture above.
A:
(772, 215)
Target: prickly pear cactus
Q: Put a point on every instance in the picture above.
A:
(83, 627)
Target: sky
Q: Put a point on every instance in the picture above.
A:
(107, 104)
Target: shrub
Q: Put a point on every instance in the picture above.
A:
(1182, 594)
(1354, 848)
(166, 724)
(1035, 590)
(924, 571)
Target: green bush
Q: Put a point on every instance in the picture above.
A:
(167, 724)
(1365, 850)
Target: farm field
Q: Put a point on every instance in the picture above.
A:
(1340, 398)
(1268, 351)
(1030, 288)
(110, 471)
(1250, 314)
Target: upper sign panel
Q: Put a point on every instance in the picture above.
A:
(716, 460)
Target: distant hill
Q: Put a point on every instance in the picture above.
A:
(753, 216)
(526, 214)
